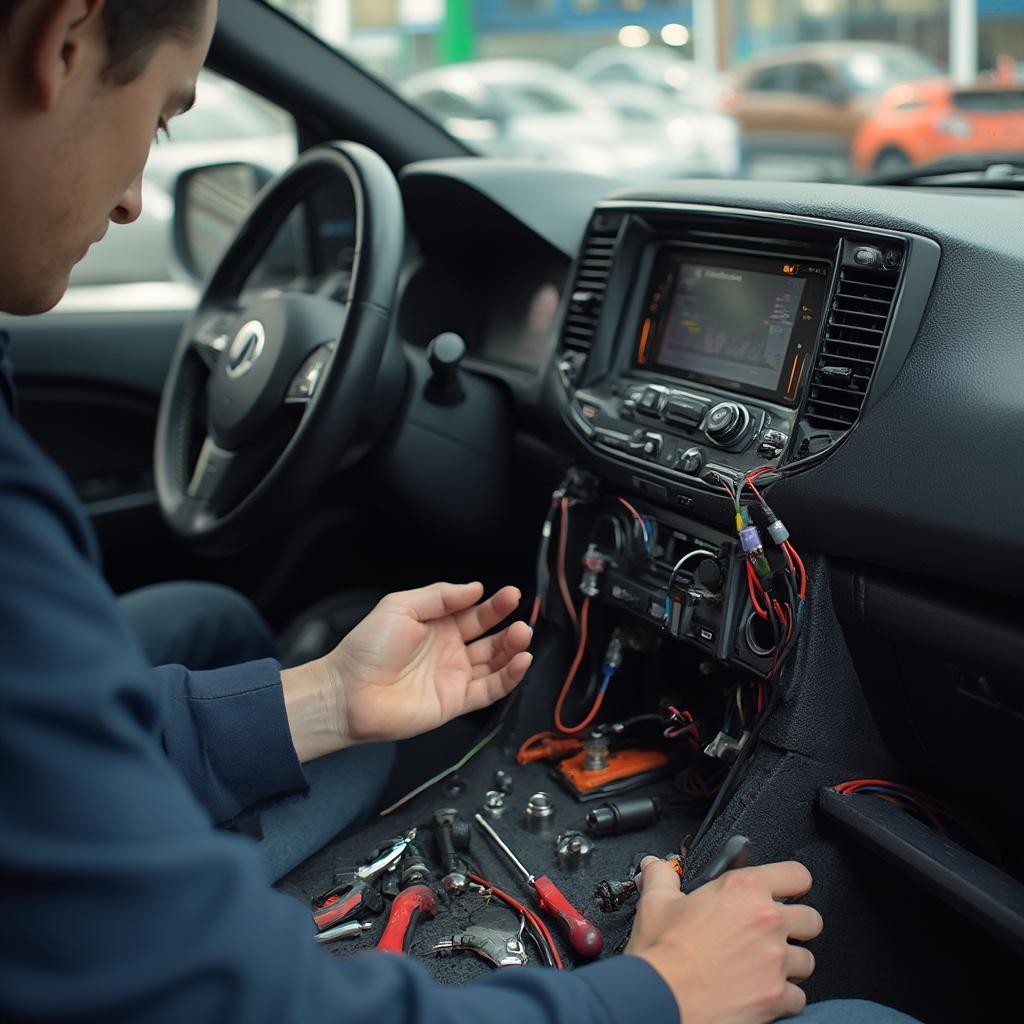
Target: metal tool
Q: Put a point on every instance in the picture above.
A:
(494, 803)
(412, 869)
(451, 834)
(344, 931)
(490, 938)
(503, 781)
(353, 893)
(344, 902)
(573, 849)
(406, 911)
(381, 862)
(540, 810)
(584, 938)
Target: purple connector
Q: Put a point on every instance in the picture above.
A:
(750, 539)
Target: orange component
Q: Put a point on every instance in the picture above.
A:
(642, 358)
(548, 748)
(621, 765)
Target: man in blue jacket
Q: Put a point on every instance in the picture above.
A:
(119, 901)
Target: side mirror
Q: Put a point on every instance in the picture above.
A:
(209, 204)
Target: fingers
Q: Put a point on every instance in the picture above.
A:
(477, 620)
(484, 691)
(802, 923)
(799, 963)
(658, 876)
(793, 1002)
(438, 600)
(491, 652)
(784, 880)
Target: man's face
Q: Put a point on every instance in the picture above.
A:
(75, 164)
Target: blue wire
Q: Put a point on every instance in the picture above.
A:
(607, 678)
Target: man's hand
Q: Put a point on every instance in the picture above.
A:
(418, 660)
(725, 949)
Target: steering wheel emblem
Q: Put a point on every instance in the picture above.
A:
(246, 349)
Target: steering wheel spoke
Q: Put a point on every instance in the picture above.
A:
(210, 335)
(210, 478)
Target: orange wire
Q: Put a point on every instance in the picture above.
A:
(535, 614)
(563, 535)
(567, 685)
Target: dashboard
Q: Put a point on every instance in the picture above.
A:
(863, 342)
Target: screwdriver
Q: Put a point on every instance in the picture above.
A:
(582, 935)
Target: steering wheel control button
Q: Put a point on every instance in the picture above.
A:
(690, 461)
(246, 348)
(726, 423)
(303, 385)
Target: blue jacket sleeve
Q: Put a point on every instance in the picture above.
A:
(214, 721)
(119, 902)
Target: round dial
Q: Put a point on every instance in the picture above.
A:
(726, 422)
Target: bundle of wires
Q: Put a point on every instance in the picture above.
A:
(777, 593)
(928, 809)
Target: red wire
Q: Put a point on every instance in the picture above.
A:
(526, 912)
(791, 551)
(753, 585)
(563, 534)
(567, 685)
(535, 614)
(919, 800)
(636, 515)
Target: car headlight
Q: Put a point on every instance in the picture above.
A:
(954, 125)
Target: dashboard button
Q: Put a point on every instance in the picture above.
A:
(651, 401)
(726, 422)
(690, 461)
(628, 409)
(683, 411)
(647, 443)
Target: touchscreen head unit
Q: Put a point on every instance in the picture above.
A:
(744, 322)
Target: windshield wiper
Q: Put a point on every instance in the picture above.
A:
(991, 171)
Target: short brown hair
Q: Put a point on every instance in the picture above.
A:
(135, 28)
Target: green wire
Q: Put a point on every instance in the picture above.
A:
(466, 758)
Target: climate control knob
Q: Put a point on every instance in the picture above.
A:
(726, 422)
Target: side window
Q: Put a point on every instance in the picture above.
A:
(443, 104)
(773, 79)
(811, 80)
(134, 264)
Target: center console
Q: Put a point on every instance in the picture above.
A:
(702, 344)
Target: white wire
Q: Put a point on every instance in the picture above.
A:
(691, 554)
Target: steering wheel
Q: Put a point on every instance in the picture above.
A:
(263, 396)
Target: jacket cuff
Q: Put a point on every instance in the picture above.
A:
(227, 731)
(631, 990)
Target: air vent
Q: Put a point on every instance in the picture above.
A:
(859, 317)
(588, 287)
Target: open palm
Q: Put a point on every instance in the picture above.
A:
(420, 659)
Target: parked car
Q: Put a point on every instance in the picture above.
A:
(654, 88)
(534, 111)
(805, 103)
(927, 121)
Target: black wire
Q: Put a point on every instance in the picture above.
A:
(732, 779)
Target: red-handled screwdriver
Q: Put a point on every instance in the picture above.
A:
(584, 937)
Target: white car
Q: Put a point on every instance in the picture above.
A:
(535, 111)
(653, 84)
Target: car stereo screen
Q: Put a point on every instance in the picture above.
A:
(730, 324)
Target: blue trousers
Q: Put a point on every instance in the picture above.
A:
(204, 626)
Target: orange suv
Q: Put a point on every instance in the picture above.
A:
(921, 122)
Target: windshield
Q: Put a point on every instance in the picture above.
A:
(828, 90)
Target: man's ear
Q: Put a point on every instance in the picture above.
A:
(68, 42)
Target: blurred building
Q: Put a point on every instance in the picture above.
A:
(397, 37)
